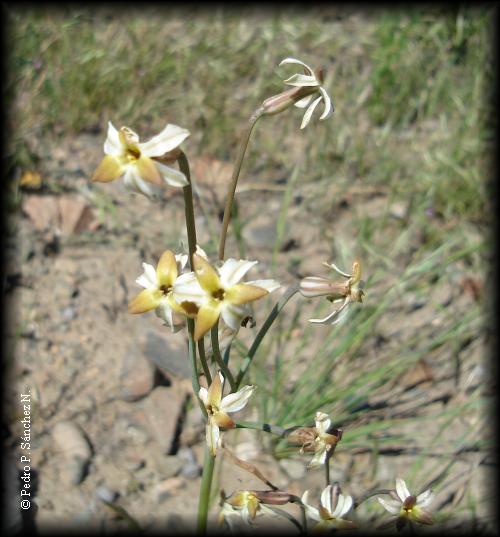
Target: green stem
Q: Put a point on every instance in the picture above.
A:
(214, 333)
(263, 331)
(188, 207)
(259, 426)
(206, 483)
(234, 179)
(203, 360)
(327, 470)
(194, 369)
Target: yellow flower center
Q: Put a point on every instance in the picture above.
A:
(132, 154)
(165, 289)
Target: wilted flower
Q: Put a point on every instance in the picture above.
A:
(408, 507)
(317, 439)
(310, 80)
(137, 162)
(333, 507)
(248, 504)
(218, 407)
(157, 285)
(335, 291)
(210, 292)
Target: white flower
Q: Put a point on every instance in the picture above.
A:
(157, 285)
(136, 162)
(346, 292)
(406, 506)
(333, 507)
(217, 292)
(218, 408)
(310, 79)
(323, 441)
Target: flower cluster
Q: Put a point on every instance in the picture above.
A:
(204, 294)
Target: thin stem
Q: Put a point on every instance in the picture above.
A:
(234, 179)
(203, 360)
(194, 369)
(206, 484)
(263, 331)
(214, 333)
(259, 426)
(327, 470)
(188, 206)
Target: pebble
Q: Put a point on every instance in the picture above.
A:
(106, 494)
(72, 443)
(137, 376)
(167, 488)
(190, 467)
(168, 352)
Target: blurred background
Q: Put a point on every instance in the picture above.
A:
(398, 178)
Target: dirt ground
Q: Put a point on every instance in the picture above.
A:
(112, 415)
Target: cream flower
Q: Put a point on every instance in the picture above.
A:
(218, 408)
(317, 439)
(333, 507)
(311, 79)
(136, 162)
(335, 291)
(216, 292)
(408, 507)
(157, 285)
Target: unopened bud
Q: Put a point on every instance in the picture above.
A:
(282, 101)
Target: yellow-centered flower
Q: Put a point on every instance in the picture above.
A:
(218, 408)
(332, 508)
(212, 292)
(138, 162)
(406, 506)
(346, 292)
(248, 504)
(158, 285)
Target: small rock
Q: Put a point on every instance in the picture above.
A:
(190, 467)
(166, 466)
(69, 313)
(105, 494)
(167, 488)
(137, 376)
(169, 353)
(163, 408)
(193, 426)
(76, 451)
(399, 210)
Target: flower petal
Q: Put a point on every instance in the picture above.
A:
(169, 138)
(425, 498)
(146, 300)
(148, 278)
(223, 420)
(268, 285)
(171, 176)
(233, 315)
(323, 422)
(214, 394)
(309, 111)
(212, 436)
(232, 271)
(113, 145)
(206, 318)
(166, 271)
(186, 288)
(206, 274)
(402, 489)
(133, 182)
(332, 317)
(108, 170)
(302, 103)
(328, 105)
(203, 394)
(243, 293)
(298, 62)
(344, 504)
(421, 516)
(319, 457)
(310, 510)
(326, 498)
(300, 80)
(236, 401)
(147, 169)
(390, 505)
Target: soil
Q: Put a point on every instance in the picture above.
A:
(113, 422)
